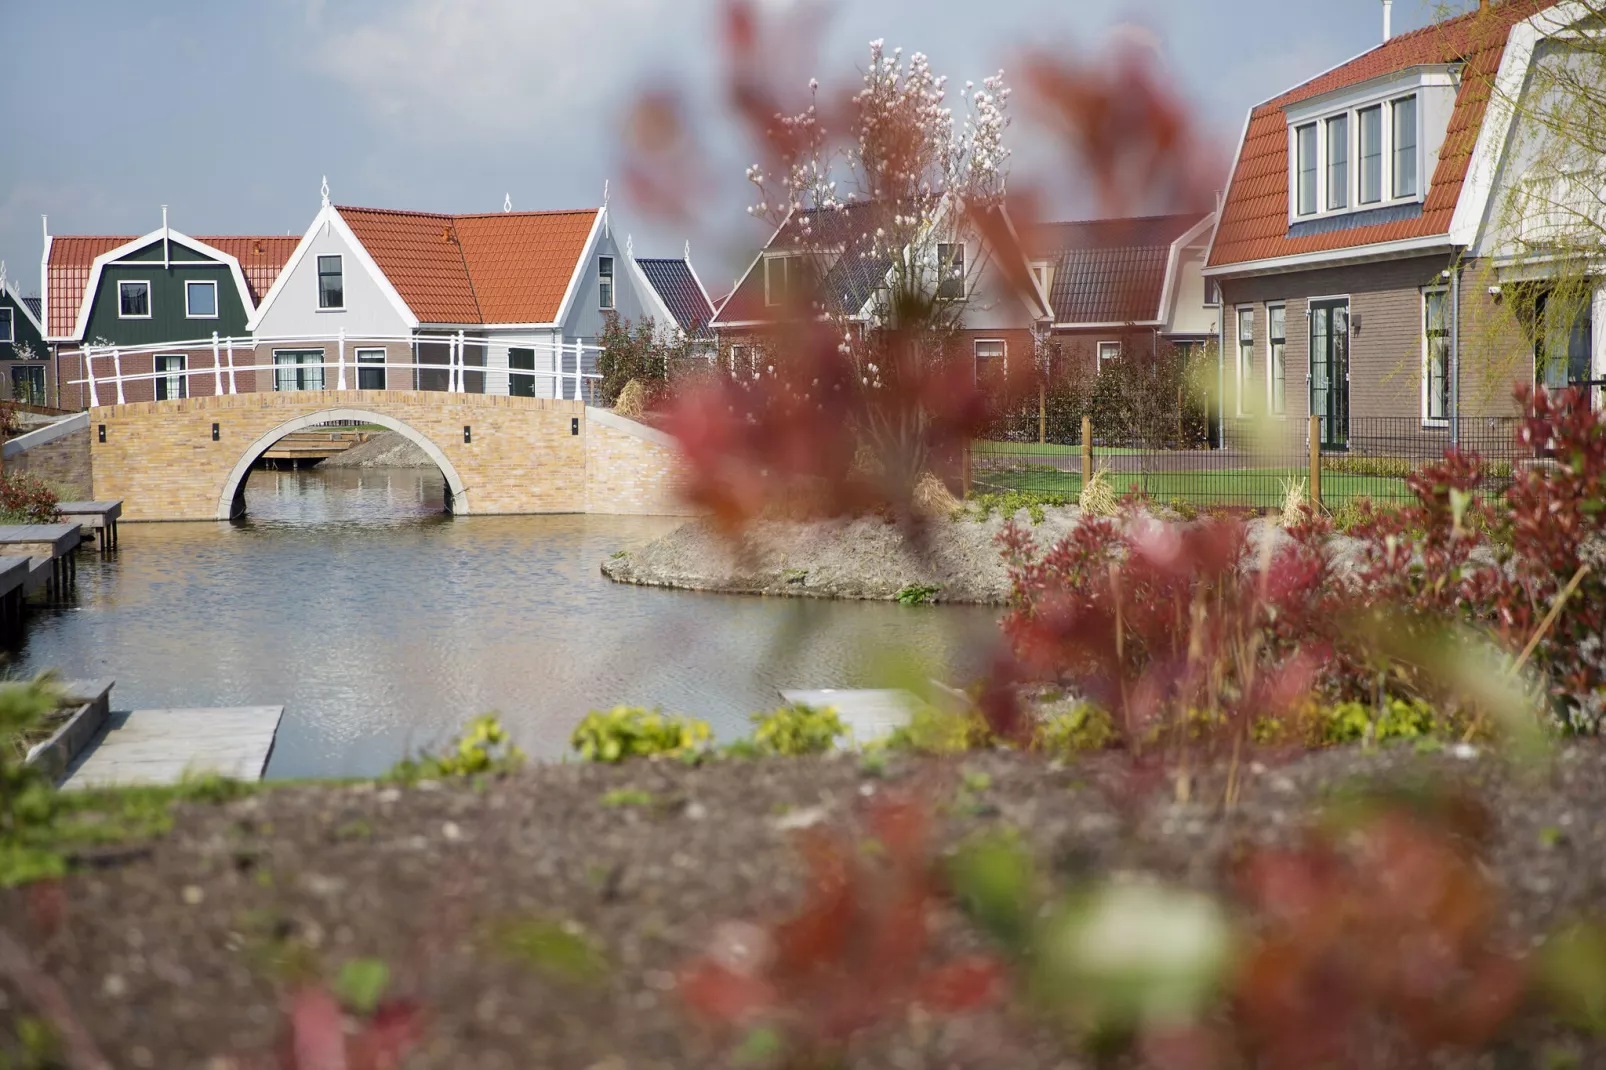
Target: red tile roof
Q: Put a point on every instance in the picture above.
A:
(1109, 270)
(503, 267)
(1254, 220)
(72, 256)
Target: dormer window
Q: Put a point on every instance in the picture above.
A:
(950, 271)
(1367, 146)
(780, 276)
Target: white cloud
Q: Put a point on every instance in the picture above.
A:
(469, 72)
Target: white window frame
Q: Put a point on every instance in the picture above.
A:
(370, 364)
(1103, 356)
(1347, 179)
(1361, 203)
(150, 301)
(1244, 387)
(944, 263)
(1002, 356)
(169, 376)
(317, 281)
(8, 325)
(770, 300)
(297, 367)
(191, 314)
(607, 299)
(1271, 405)
(1428, 420)
(1351, 104)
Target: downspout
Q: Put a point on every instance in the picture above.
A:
(1455, 353)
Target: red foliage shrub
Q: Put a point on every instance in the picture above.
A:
(855, 955)
(1376, 948)
(317, 1038)
(25, 497)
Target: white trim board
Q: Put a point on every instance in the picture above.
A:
(571, 292)
(27, 312)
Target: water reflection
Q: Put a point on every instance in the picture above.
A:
(382, 624)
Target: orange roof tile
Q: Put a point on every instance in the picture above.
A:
(1254, 219)
(502, 267)
(72, 256)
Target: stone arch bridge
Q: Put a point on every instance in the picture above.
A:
(189, 459)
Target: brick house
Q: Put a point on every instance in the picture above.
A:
(1353, 251)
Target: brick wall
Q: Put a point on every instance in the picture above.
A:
(631, 468)
(1386, 347)
(62, 465)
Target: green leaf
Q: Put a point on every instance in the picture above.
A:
(361, 984)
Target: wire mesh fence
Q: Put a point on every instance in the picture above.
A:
(1257, 466)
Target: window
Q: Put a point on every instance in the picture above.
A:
(780, 276)
(1305, 137)
(1277, 366)
(1040, 273)
(1338, 163)
(134, 300)
(950, 271)
(605, 283)
(370, 369)
(1435, 355)
(1371, 120)
(171, 383)
(28, 384)
(298, 369)
(7, 331)
(331, 283)
(521, 360)
(200, 300)
(1108, 351)
(1565, 344)
(1405, 183)
(1246, 357)
(989, 349)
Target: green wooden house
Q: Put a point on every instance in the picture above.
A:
(23, 351)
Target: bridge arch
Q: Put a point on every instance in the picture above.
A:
(231, 503)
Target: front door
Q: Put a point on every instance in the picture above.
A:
(1329, 370)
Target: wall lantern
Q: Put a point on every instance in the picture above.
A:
(468, 435)
(214, 432)
(103, 432)
(574, 426)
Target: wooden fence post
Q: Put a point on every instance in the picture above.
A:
(1042, 414)
(1315, 435)
(964, 471)
(1087, 450)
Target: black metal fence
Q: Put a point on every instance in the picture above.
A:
(1259, 465)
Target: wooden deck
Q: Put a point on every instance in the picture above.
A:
(101, 517)
(50, 548)
(313, 445)
(15, 572)
(161, 746)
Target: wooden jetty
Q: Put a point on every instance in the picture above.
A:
(50, 547)
(162, 746)
(313, 446)
(14, 574)
(99, 517)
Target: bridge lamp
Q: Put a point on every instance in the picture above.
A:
(103, 432)
(468, 435)
(214, 432)
(574, 426)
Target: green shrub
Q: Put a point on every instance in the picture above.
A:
(1007, 503)
(634, 732)
(917, 594)
(1078, 730)
(1352, 722)
(793, 731)
(26, 500)
(483, 748)
(936, 731)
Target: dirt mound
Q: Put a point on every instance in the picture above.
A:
(387, 449)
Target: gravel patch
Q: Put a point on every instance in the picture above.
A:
(181, 956)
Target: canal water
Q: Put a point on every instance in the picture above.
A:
(382, 625)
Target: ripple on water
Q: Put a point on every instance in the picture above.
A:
(382, 624)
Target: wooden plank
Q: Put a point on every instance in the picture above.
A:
(41, 540)
(91, 514)
(162, 746)
(14, 572)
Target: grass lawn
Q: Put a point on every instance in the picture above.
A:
(1257, 487)
(1043, 449)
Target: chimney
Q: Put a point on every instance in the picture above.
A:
(1388, 20)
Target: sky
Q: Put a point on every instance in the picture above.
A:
(231, 113)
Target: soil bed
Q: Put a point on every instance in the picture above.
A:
(180, 954)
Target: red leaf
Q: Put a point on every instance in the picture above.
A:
(963, 985)
(722, 995)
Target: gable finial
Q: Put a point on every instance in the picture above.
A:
(2, 276)
(507, 202)
(325, 191)
(630, 246)
(604, 193)
(688, 250)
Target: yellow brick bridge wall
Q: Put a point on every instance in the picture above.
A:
(523, 455)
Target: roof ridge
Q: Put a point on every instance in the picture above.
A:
(538, 212)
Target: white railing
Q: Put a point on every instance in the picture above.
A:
(226, 368)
